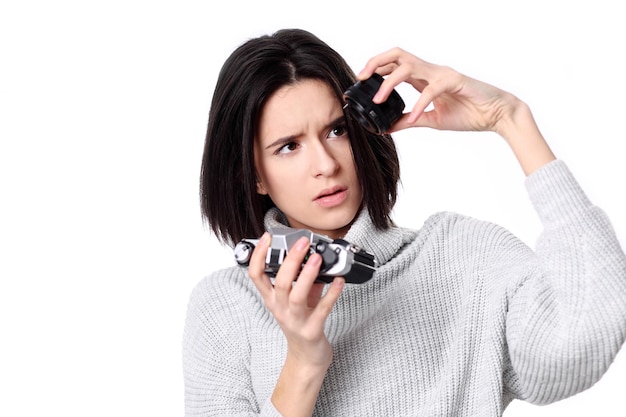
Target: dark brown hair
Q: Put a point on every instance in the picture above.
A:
(248, 78)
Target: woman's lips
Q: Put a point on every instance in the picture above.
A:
(332, 197)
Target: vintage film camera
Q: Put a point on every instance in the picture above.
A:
(339, 258)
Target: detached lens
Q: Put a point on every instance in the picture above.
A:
(377, 118)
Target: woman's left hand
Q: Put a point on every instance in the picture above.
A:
(459, 103)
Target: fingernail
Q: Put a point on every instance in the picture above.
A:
(264, 238)
(314, 261)
(302, 243)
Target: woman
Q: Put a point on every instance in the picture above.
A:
(460, 317)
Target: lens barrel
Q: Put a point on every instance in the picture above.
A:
(377, 118)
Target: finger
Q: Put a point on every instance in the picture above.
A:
(304, 291)
(289, 270)
(327, 302)
(256, 267)
(423, 101)
(386, 69)
(379, 61)
(401, 124)
(414, 71)
(389, 83)
(418, 117)
(428, 95)
(315, 294)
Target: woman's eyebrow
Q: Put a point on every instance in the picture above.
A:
(339, 120)
(285, 140)
(281, 141)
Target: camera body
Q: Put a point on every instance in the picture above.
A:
(339, 257)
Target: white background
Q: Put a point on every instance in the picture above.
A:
(103, 108)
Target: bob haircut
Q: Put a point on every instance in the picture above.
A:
(250, 75)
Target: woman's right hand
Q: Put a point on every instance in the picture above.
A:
(300, 309)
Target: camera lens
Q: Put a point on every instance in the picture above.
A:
(377, 118)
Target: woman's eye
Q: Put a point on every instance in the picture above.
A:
(287, 148)
(338, 131)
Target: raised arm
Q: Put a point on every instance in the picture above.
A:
(566, 320)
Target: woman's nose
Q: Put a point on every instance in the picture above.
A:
(323, 162)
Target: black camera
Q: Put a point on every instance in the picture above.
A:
(377, 118)
(339, 258)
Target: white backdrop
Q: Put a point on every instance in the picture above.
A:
(103, 107)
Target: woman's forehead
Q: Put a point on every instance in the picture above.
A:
(300, 106)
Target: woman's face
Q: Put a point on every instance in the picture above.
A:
(304, 160)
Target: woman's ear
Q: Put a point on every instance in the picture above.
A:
(260, 189)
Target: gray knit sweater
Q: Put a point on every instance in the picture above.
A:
(460, 318)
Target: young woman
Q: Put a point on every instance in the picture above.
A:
(459, 319)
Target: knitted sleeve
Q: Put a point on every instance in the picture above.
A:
(216, 351)
(567, 320)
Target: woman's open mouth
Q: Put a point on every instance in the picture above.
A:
(332, 197)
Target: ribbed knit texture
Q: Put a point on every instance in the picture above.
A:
(460, 318)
